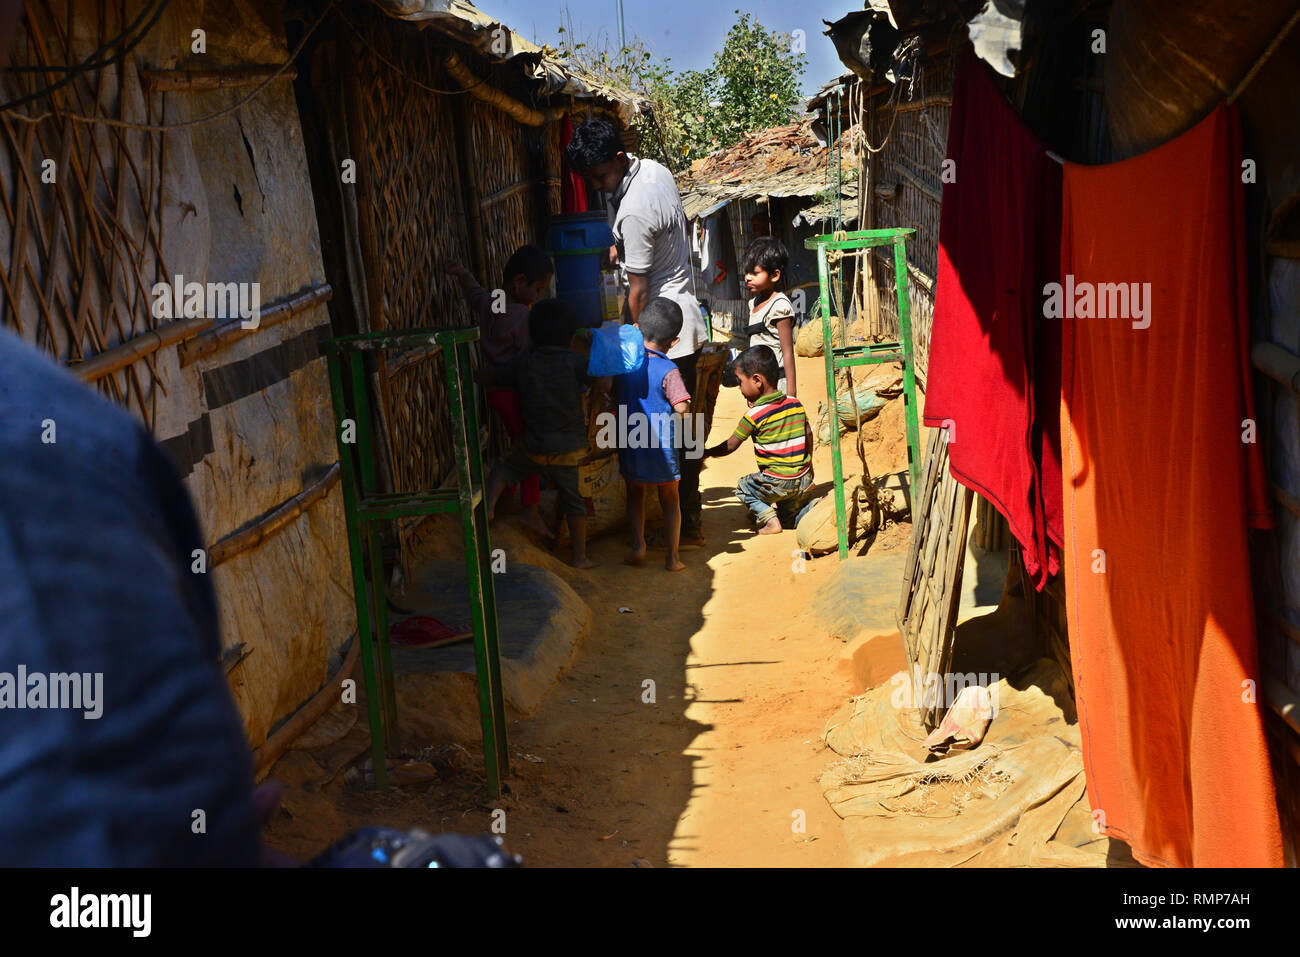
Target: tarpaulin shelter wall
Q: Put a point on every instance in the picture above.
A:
(243, 415)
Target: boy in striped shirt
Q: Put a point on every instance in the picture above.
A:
(782, 443)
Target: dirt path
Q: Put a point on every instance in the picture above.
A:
(715, 771)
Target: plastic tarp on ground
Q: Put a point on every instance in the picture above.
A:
(1015, 800)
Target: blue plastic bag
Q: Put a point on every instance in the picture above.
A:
(616, 350)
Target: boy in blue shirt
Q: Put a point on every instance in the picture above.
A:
(652, 399)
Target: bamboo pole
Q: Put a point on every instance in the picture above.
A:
(494, 97)
(302, 719)
(468, 184)
(936, 99)
(233, 330)
(110, 360)
(504, 193)
(247, 538)
(918, 183)
(195, 80)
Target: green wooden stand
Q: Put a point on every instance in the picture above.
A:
(839, 355)
(365, 507)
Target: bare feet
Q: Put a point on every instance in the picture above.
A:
(583, 562)
(771, 528)
(673, 564)
(635, 558)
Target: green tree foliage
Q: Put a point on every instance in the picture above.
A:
(752, 83)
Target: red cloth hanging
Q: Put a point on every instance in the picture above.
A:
(1160, 487)
(993, 375)
(573, 188)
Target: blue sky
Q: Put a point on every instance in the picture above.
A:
(688, 31)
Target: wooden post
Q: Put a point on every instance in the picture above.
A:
(366, 226)
(471, 202)
(225, 78)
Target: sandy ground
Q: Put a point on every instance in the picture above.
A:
(717, 767)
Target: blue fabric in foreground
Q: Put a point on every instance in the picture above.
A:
(96, 542)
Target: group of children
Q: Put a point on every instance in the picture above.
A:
(534, 378)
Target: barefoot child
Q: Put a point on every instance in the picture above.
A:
(549, 378)
(504, 326)
(782, 443)
(771, 315)
(651, 401)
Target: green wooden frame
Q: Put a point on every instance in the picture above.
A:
(839, 355)
(365, 506)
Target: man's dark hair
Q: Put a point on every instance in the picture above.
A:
(759, 360)
(552, 322)
(769, 254)
(592, 144)
(531, 262)
(660, 321)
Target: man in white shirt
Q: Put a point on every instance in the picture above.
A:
(652, 241)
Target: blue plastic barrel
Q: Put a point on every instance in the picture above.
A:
(576, 242)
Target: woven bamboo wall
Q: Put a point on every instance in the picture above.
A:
(79, 255)
(499, 158)
(554, 169)
(915, 135)
(415, 218)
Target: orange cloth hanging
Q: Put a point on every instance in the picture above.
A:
(1159, 490)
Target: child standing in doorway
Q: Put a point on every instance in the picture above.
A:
(771, 314)
(651, 401)
(502, 316)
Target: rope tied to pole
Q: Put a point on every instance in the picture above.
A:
(834, 256)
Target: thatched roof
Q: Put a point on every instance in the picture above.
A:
(465, 23)
(779, 161)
